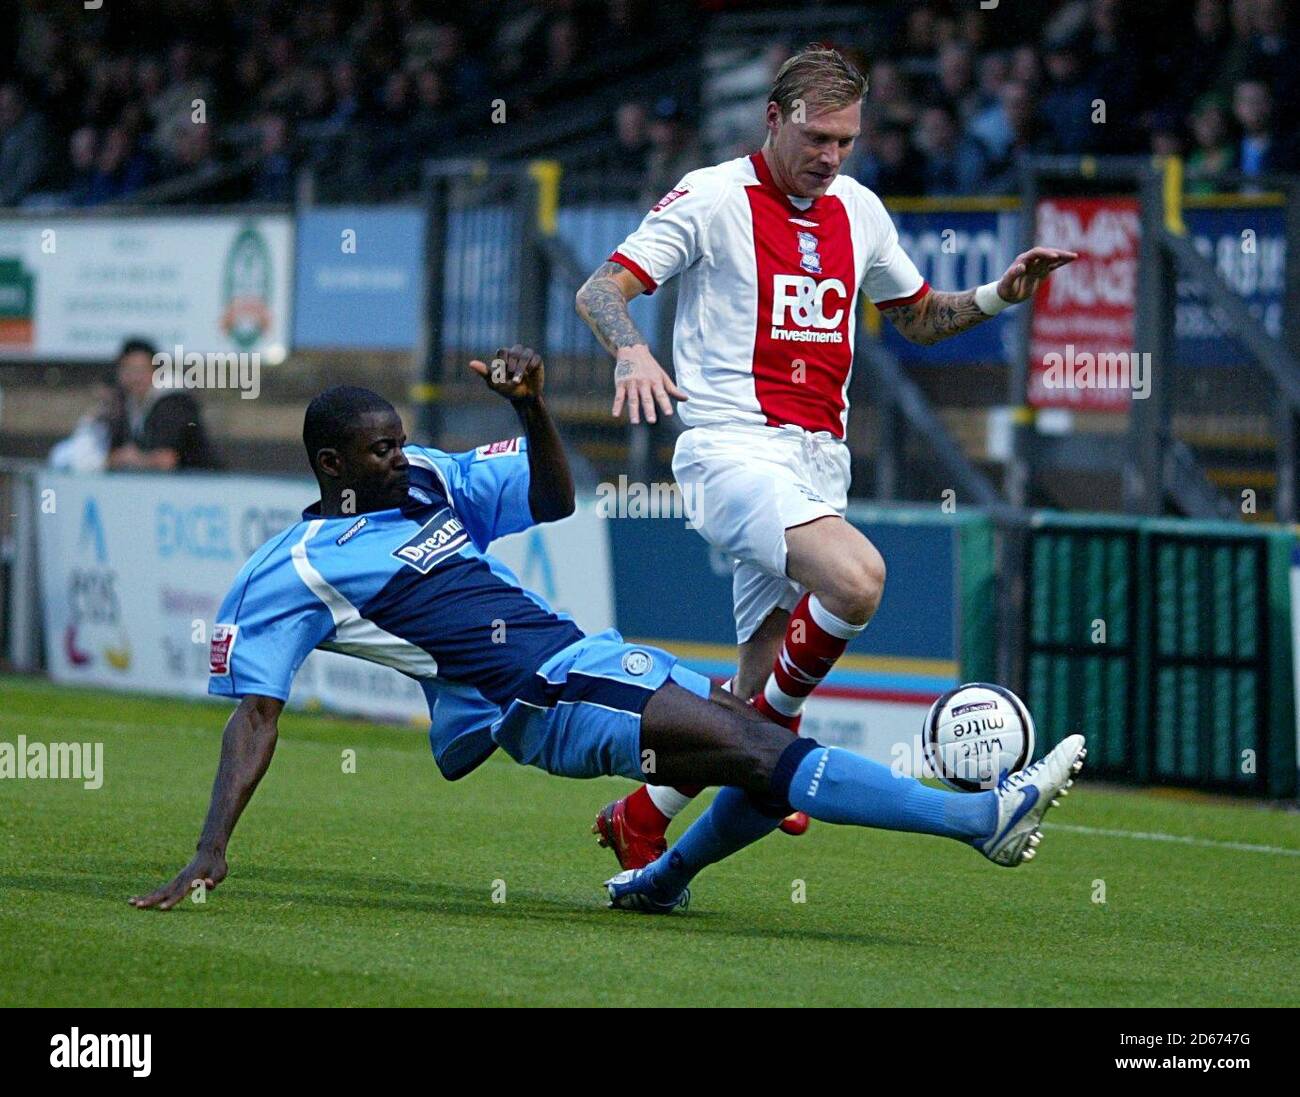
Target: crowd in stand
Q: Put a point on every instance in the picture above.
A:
(959, 97)
(952, 113)
(97, 106)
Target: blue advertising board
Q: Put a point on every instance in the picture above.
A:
(359, 278)
(1248, 249)
(959, 250)
(910, 651)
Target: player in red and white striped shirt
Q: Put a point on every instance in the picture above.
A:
(772, 250)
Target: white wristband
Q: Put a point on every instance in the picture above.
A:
(988, 301)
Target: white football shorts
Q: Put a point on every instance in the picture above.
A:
(743, 486)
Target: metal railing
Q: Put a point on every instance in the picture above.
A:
(20, 616)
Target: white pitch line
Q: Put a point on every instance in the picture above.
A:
(1182, 839)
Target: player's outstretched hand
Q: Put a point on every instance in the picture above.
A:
(1029, 270)
(210, 868)
(640, 382)
(516, 374)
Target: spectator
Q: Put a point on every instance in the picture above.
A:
(427, 120)
(630, 149)
(249, 78)
(1029, 137)
(673, 149)
(395, 105)
(150, 427)
(24, 146)
(121, 168)
(83, 149)
(989, 126)
(1209, 40)
(347, 100)
(1260, 151)
(891, 166)
(149, 78)
(192, 152)
(288, 85)
(316, 104)
(1266, 53)
(1107, 59)
(1027, 67)
(955, 88)
(86, 448)
(463, 75)
(625, 21)
(954, 163)
(973, 28)
(889, 101)
(274, 179)
(1068, 103)
(561, 47)
(1212, 151)
(920, 36)
(175, 107)
(1166, 136)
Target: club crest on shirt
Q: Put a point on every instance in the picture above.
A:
(441, 536)
(223, 644)
(809, 260)
(636, 663)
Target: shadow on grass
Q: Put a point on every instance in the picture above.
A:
(255, 891)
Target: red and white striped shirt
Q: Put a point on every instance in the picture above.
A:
(766, 308)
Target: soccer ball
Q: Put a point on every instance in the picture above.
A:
(976, 733)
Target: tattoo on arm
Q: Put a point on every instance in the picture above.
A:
(602, 304)
(937, 316)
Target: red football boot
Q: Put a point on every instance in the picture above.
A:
(796, 823)
(633, 848)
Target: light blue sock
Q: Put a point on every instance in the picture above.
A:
(838, 786)
(835, 786)
(731, 823)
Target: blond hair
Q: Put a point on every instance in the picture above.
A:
(820, 78)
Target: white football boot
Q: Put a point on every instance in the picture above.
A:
(1023, 800)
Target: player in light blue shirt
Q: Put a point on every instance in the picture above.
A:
(391, 565)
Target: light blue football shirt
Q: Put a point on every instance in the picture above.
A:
(412, 588)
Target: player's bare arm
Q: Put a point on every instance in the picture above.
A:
(639, 380)
(938, 315)
(519, 375)
(246, 750)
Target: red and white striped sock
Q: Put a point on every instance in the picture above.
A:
(814, 639)
(668, 801)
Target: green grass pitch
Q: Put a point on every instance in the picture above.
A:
(377, 888)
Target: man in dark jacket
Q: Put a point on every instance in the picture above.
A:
(151, 427)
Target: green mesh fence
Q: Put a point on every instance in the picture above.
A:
(1169, 645)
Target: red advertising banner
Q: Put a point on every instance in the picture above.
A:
(1081, 345)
